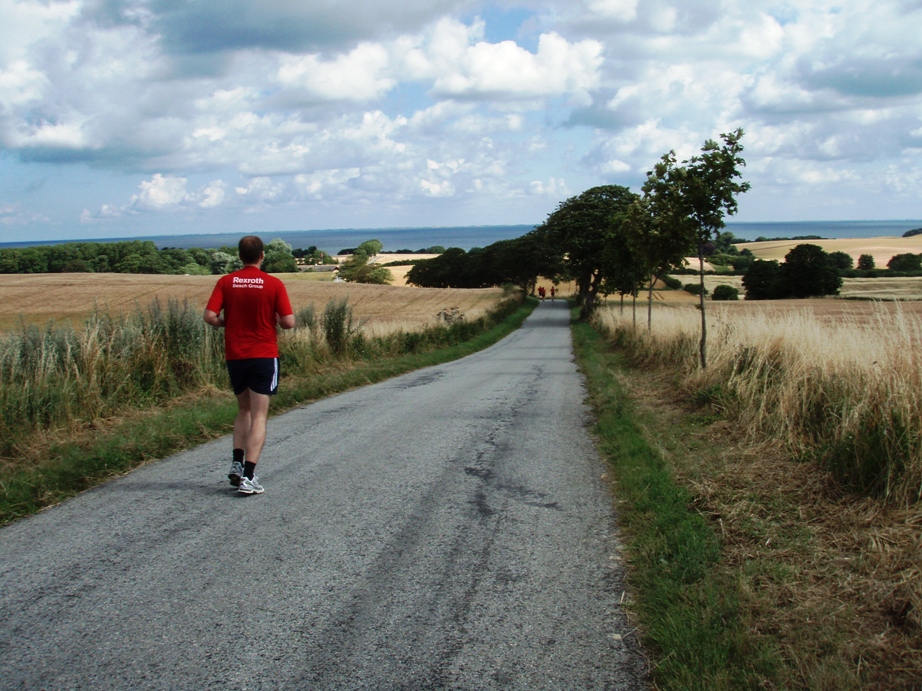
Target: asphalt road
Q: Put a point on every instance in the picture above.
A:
(445, 529)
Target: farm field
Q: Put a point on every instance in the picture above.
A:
(881, 248)
(40, 298)
(905, 289)
(799, 442)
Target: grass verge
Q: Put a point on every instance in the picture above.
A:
(686, 605)
(100, 453)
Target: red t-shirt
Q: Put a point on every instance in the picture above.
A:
(250, 299)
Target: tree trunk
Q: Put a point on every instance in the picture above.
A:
(702, 348)
(592, 292)
(650, 304)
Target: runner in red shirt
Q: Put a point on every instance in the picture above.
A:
(254, 303)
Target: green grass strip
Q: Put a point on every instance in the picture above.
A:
(683, 603)
(74, 467)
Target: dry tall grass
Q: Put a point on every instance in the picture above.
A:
(833, 577)
(846, 393)
(58, 378)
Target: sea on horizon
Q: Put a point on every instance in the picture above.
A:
(467, 237)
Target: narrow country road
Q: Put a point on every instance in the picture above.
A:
(448, 529)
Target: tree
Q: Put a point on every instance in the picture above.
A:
(657, 240)
(742, 261)
(726, 243)
(865, 262)
(622, 271)
(279, 262)
(707, 190)
(905, 262)
(725, 292)
(371, 247)
(841, 260)
(577, 232)
(445, 271)
(807, 272)
(222, 262)
(279, 258)
(358, 269)
(761, 280)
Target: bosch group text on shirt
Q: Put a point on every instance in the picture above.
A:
(247, 282)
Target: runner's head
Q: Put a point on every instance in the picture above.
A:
(250, 249)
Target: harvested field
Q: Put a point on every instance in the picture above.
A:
(40, 298)
(881, 248)
(824, 310)
(907, 290)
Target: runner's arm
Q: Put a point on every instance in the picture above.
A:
(215, 319)
(286, 322)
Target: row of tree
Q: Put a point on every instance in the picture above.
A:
(611, 240)
(143, 257)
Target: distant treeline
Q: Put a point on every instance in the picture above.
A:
(762, 238)
(143, 257)
(911, 233)
(435, 249)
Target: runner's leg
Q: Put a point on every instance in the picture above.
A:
(252, 416)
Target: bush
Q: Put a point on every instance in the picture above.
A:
(808, 272)
(694, 288)
(761, 280)
(841, 260)
(306, 318)
(338, 325)
(865, 262)
(905, 262)
(672, 283)
(725, 292)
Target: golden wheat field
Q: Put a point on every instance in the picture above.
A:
(881, 248)
(40, 298)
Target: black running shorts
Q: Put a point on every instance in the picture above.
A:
(259, 375)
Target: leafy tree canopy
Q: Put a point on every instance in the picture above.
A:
(905, 262)
(807, 272)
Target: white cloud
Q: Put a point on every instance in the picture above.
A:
(554, 188)
(619, 10)
(14, 215)
(261, 190)
(213, 195)
(306, 106)
(442, 188)
(507, 71)
(160, 193)
(360, 75)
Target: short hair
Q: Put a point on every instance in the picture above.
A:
(250, 249)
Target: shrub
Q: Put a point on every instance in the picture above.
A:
(694, 288)
(725, 292)
(807, 271)
(761, 280)
(865, 262)
(841, 260)
(306, 318)
(905, 262)
(672, 283)
(338, 325)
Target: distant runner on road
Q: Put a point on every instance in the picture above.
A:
(254, 303)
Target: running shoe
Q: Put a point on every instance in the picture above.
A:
(248, 486)
(236, 472)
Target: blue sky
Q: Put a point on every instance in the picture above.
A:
(123, 118)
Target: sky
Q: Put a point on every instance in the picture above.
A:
(126, 118)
